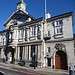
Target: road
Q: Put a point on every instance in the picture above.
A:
(17, 70)
(12, 72)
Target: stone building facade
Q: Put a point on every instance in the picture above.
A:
(48, 43)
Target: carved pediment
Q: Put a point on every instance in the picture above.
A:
(60, 46)
(19, 17)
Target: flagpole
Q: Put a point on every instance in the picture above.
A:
(45, 9)
(44, 45)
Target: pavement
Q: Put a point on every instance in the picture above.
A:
(39, 71)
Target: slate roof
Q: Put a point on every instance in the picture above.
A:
(18, 14)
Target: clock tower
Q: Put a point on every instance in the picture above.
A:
(21, 6)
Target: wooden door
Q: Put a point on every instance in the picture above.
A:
(57, 62)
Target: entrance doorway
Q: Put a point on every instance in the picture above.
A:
(61, 60)
(33, 56)
(49, 61)
(21, 52)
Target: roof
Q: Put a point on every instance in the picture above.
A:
(50, 19)
(32, 22)
(3, 31)
(60, 16)
(40, 19)
(18, 13)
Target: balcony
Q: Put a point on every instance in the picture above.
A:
(47, 37)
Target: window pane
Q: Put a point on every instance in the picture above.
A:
(60, 21)
(25, 34)
(48, 33)
(49, 49)
(39, 32)
(32, 31)
(58, 30)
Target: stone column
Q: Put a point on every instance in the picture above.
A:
(42, 55)
(54, 60)
(2, 53)
(39, 56)
(44, 48)
(39, 52)
(18, 56)
(29, 52)
(26, 53)
(23, 54)
(36, 51)
(16, 52)
(51, 61)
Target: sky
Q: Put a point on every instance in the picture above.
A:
(36, 8)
